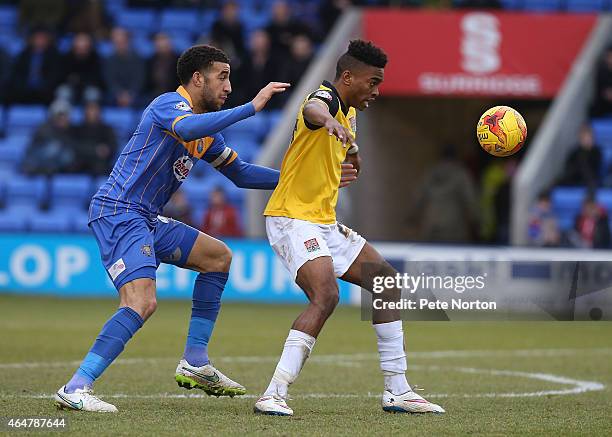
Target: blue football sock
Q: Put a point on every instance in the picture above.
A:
(206, 305)
(115, 333)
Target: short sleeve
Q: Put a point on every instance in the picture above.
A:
(167, 111)
(328, 98)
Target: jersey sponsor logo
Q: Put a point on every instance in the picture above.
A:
(182, 106)
(326, 95)
(312, 245)
(116, 269)
(182, 167)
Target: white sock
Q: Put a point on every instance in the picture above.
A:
(392, 356)
(297, 348)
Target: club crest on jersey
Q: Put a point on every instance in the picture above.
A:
(182, 106)
(326, 95)
(312, 245)
(146, 250)
(182, 166)
(200, 146)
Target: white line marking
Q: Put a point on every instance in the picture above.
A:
(576, 387)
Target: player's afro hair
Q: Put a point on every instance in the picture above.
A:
(198, 58)
(360, 51)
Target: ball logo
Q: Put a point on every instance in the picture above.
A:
(182, 166)
(480, 43)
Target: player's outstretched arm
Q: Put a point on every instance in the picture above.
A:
(317, 113)
(198, 126)
(246, 175)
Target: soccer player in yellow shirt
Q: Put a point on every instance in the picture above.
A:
(303, 231)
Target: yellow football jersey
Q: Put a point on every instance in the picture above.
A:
(310, 172)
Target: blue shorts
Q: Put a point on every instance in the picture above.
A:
(132, 248)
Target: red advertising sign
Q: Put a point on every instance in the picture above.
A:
(476, 53)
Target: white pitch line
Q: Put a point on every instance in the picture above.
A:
(258, 359)
(576, 387)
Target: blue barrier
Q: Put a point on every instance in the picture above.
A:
(69, 265)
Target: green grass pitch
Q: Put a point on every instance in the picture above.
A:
(524, 378)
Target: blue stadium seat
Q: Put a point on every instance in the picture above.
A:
(50, 222)
(247, 149)
(141, 19)
(566, 203)
(12, 223)
(181, 41)
(25, 191)
(11, 42)
(197, 191)
(602, 131)
(255, 127)
(79, 222)
(13, 148)
(586, 5)
(542, 5)
(104, 48)
(604, 197)
(254, 20)
(25, 117)
(121, 119)
(179, 20)
(206, 21)
(70, 192)
(8, 18)
(143, 45)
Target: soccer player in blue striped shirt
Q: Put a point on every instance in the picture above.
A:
(175, 130)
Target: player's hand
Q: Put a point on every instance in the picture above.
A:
(348, 174)
(267, 92)
(355, 161)
(342, 133)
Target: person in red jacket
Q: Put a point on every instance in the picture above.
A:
(221, 219)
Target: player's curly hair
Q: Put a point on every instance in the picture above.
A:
(360, 51)
(198, 58)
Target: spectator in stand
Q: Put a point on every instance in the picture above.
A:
(95, 144)
(179, 208)
(301, 54)
(446, 206)
(82, 77)
(228, 31)
(5, 72)
(124, 70)
(87, 16)
(36, 70)
(259, 68)
(282, 28)
(591, 229)
(330, 11)
(480, 4)
(602, 103)
(221, 219)
(583, 166)
(52, 147)
(161, 69)
(48, 13)
(543, 225)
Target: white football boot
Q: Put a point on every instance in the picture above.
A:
(82, 400)
(207, 378)
(409, 402)
(274, 405)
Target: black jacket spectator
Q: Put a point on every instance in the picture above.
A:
(95, 144)
(124, 70)
(228, 31)
(161, 68)
(583, 166)
(283, 28)
(82, 69)
(36, 71)
(602, 101)
(298, 61)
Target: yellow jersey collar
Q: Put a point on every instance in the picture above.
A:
(183, 92)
